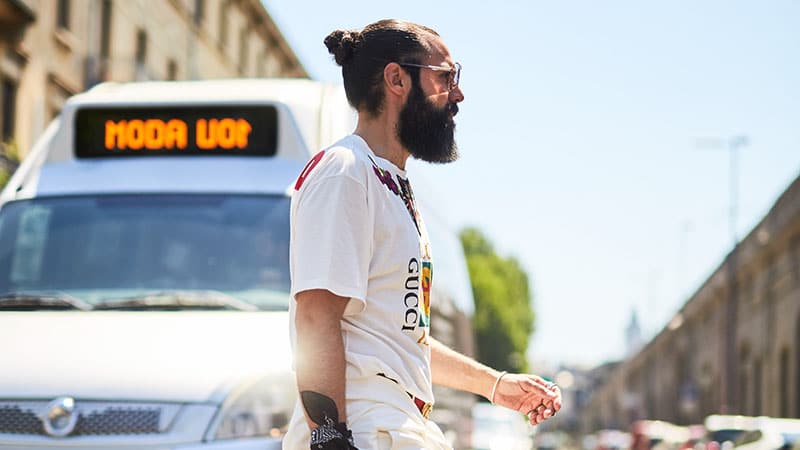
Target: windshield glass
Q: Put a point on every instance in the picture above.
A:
(725, 435)
(107, 248)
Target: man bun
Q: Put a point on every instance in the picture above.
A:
(341, 44)
(364, 54)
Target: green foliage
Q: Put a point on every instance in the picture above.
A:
(504, 317)
(10, 152)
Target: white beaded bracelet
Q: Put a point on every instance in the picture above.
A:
(496, 382)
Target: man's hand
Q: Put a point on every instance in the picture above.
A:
(528, 394)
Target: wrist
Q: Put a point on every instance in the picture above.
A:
(493, 392)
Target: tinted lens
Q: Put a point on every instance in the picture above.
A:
(455, 75)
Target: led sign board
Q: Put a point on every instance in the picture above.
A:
(176, 130)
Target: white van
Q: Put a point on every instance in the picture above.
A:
(144, 266)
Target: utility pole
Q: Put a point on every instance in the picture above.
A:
(729, 377)
(734, 145)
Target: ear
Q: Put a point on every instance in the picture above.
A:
(396, 79)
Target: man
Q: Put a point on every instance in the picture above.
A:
(362, 265)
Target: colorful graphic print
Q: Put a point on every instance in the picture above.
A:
(386, 178)
(408, 198)
(427, 281)
(404, 191)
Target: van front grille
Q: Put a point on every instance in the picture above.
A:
(118, 421)
(17, 421)
(94, 418)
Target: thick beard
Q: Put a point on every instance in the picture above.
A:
(428, 133)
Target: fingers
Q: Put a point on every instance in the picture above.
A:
(546, 405)
(554, 405)
(557, 403)
(531, 395)
(542, 387)
(541, 413)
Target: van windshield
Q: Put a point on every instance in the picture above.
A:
(119, 249)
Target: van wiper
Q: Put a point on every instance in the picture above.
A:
(176, 301)
(35, 301)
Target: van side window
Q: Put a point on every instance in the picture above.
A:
(26, 266)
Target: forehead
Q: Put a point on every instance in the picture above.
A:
(439, 54)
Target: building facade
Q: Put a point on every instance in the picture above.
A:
(52, 49)
(733, 348)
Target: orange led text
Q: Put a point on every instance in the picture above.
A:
(152, 134)
(156, 134)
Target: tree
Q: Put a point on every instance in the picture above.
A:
(9, 161)
(504, 317)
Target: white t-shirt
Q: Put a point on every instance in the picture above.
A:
(356, 232)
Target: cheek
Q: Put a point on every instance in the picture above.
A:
(439, 100)
(435, 87)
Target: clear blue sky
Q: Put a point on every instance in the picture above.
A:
(578, 141)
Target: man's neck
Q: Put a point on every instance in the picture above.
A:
(380, 135)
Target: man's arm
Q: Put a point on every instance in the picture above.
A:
(456, 371)
(528, 394)
(319, 361)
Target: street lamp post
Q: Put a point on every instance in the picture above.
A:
(734, 145)
(729, 376)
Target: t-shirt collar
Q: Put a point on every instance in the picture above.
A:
(385, 164)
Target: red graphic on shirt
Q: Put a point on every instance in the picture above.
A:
(307, 169)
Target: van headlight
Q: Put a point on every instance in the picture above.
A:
(258, 408)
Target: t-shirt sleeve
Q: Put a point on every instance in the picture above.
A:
(332, 239)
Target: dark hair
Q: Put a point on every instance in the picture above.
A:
(363, 56)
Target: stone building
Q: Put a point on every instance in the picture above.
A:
(52, 49)
(733, 348)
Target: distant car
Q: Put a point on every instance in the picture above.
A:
(498, 428)
(658, 434)
(728, 428)
(772, 434)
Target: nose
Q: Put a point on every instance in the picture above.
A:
(456, 95)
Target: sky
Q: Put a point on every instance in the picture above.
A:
(584, 142)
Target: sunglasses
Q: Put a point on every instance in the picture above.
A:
(452, 79)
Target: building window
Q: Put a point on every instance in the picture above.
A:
(797, 369)
(243, 47)
(172, 70)
(8, 95)
(141, 54)
(141, 47)
(795, 257)
(784, 381)
(223, 23)
(105, 29)
(100, 71)
(199, 11)
(757, 374)
(62, 14)
(743, 402)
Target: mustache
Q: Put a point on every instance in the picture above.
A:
(452, 108)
